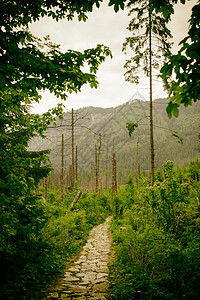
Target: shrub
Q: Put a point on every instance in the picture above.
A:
(157, 241)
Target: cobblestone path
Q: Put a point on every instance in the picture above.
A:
(87, 277)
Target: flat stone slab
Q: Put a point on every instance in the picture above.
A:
(71, 279)
(74, 269)
(100, 275)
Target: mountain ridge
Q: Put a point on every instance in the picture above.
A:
(91, 121)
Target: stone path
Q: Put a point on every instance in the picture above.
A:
(87, 278)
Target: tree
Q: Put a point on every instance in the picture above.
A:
(181, 72)
(22, 212)
(146, 26)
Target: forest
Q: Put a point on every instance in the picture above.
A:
(110, 123)
(155, 208)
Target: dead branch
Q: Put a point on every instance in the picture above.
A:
(78, 195)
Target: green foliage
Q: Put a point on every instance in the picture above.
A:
(194, 170)
(159, 175)
(117, 4)
(65, 233)
(180, 73)
(32, 253)
(21, 14)
(138, 42)
(130, 179)
(157, 240)
(23, 212)
(96, 207)
(184, 89)
(131, 127)
(154, 265)
(41, 65)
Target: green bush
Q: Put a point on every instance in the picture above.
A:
(96, 207)
(35, 250)
(157, 241)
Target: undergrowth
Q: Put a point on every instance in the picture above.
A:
(30, 260)
(156, 233)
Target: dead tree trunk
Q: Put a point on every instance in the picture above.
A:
(151, 102)
(73, 172)
(137, 163)
(99, 152)
(114, 175)
(97, 163)
(107, 167)
(76, 162)
(78, 195)
(45, 187)
(96, 169)
(197, 196)
(62, 168)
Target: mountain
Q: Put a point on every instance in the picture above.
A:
(111, 124)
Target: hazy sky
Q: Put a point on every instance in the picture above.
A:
(103, 26)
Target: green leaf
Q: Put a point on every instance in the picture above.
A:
(117, 4)
(111, 2)
(82, 17)
(172, 108)
(166, 70)
(94, 84)
(131, 127)
(175, 111)
(180, 140)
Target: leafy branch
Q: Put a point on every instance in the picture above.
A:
(132, 126)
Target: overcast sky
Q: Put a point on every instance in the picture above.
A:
(103, 26)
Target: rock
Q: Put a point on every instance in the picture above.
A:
(53, 295)
(100, 275)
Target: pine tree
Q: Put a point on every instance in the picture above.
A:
(145, 27)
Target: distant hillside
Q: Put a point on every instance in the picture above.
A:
(111, 124)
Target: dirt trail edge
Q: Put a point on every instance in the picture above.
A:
(87, 278)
